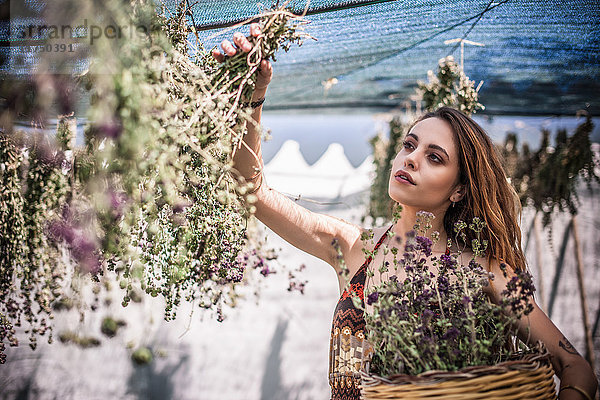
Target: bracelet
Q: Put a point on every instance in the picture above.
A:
(256, 187)
(580, 390)
(254, 104)
(256, 175)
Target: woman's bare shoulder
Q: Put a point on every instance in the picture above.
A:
(370, 236)
(366, 242)
(500, 274)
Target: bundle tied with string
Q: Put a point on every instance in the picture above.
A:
(238, 73)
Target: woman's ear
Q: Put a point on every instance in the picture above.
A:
(458, 194)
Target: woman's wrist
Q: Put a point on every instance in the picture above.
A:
(259, 93)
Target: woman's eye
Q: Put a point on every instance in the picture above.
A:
(407, 145)
(435, 158)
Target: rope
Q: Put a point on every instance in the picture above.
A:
(477, 17)
(317, 10)
(457, 45)
(390, 54)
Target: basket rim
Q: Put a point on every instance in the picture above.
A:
(527, 361)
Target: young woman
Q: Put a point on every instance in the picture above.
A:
(448, 167)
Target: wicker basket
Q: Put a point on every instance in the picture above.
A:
(529, 377)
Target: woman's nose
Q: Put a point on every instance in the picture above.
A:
(410, 161)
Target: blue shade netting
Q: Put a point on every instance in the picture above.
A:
(539, 57)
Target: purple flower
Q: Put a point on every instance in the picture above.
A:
(299, 286)
(448, 261)
(181, 205)
(84, 250)
(265, 271)
(234, 271)
(424, 244)
(60, 230)
(110, 129)
(427, 316)
(81, 245)
(372, 298)
(117, 201)
(443, 285)
(423, 297)
(451, 334)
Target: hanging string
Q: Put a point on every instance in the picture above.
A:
(471, 27)
(395, 53)
(345, 5)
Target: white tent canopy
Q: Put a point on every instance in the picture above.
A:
(331, 177)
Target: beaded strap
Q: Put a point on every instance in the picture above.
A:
(381, 239)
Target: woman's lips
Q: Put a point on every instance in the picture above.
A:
(404, 177)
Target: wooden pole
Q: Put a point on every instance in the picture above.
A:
(538, 253)
(560, 262)
(589, 345)
(528, 238)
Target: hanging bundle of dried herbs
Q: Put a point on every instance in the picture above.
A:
(559, 170)
(450, 87)
(150, 199)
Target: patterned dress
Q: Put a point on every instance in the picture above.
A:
(348, 347)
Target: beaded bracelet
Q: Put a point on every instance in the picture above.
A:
(255, 104)
(578, 389)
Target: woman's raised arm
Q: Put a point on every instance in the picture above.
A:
(304, 229)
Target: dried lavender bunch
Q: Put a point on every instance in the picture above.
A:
(12, 239)
(554, 176)
(439, 317)
(181, 220)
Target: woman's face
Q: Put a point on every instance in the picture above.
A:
(425, 172)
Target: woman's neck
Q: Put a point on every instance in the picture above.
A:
(408, 219)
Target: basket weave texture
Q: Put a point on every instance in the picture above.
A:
(529, 377)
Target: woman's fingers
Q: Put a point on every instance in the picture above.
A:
(254, 29)
(266, 69)
(228, 48)
(218, 55)
(239, 40)
(265, 73)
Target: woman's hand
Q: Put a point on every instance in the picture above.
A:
(265, 71)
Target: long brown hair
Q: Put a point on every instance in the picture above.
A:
(487, 193)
